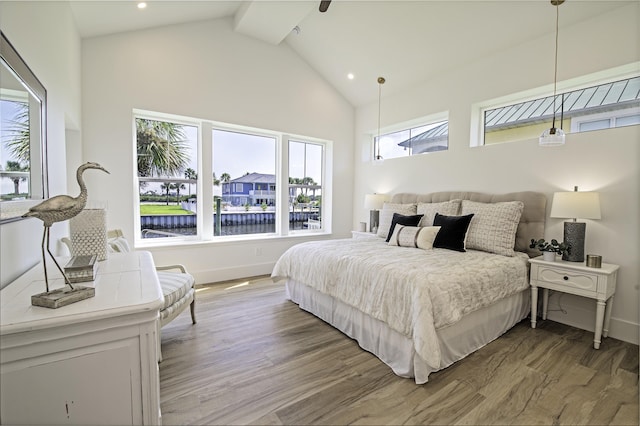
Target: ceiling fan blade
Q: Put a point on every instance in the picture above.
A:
(324, 5)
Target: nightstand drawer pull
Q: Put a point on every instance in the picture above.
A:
(579, 280)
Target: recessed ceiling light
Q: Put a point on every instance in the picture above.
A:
(350, 76)
(142, 5)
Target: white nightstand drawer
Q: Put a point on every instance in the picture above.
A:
(588, 282)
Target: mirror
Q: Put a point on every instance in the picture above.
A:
(23, 102)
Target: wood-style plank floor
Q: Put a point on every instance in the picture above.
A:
(256, 358)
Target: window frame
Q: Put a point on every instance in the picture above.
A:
(204, 211)
(478, 110)
(406, 126)
(611, 116)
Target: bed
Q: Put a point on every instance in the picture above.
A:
(437, 290)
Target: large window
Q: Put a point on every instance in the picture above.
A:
(259, 183)
(305, 185)
(597, 107)
(245, 167)
(167, 161)
(414, 140)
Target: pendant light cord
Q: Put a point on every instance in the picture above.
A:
(381, 81)
(555, 68)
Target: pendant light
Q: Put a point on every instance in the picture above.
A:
(381, 81)
(553, 136)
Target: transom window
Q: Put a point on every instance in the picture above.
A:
(601, 106)
(430, 137)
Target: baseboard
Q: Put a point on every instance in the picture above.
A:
(232, 273)
(584, 319)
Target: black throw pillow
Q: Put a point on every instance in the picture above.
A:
(453, 230)
(401, 219)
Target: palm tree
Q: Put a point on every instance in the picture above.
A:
(161, 148)
(178, 187)
(216, 181)
(166, 187)
(15, 166)
(17, 139)
(225, 177)
(191, 174)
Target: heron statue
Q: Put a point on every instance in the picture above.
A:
(58, 209)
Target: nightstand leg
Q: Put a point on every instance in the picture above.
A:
(607, 317)
(545, 302)
(600, 305)
(534, 305)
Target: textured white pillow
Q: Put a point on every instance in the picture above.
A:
(414, 236)
(118, 245)
(429, 210)
(494, 225)
(386, 216)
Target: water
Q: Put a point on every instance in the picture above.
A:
(258, 228)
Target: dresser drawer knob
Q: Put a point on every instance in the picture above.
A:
(566, 278)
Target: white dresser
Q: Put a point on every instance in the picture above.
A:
(91, 362)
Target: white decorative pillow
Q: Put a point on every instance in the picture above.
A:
(414, 236)
(386, 216)
(494, 225)
(429, 210)
(118, 245)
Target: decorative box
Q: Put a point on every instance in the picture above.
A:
(81, 268)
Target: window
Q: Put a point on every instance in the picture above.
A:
(305, 185)
(263, 183)
(412, 141)
(606, 120)
(15, 146)
(247, 164)
(601, 106)
(167, 178)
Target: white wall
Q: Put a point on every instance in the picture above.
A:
(606, 161)
(205, 70)
(44, 34)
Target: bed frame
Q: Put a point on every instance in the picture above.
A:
(457, 340)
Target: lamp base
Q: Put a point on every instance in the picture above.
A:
(374, 220)
(574, 235)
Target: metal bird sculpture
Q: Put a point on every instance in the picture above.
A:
(58, 209)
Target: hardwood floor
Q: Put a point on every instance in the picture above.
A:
(256, 358)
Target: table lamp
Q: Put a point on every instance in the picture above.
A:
(583, 205)
(374, 202)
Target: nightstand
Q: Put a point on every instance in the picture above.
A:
(575, 278)
(363, 235)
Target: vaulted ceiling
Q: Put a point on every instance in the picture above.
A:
(407, 42)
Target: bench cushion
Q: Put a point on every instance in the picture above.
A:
(174, 287)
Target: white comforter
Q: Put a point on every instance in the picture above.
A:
(413, 291)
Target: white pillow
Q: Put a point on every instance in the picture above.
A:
(429, 210)
(118, 245)
(386, 216)
(414, 236)
(494, 225)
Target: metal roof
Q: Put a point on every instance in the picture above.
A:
(428, 141)
(616, 95)
(255, 178)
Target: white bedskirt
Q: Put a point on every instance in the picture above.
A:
(458, 340)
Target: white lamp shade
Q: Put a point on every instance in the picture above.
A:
(583, 205)
(374, 201)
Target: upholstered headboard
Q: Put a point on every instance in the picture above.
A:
(532, 220)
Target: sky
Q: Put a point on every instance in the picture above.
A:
(238, 153)
(7, 114)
